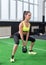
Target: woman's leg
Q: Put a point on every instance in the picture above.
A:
(16, 39)
(31, 45)
(14, 50)
(32, 42)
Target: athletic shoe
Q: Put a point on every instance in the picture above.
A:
(32, 52)
(12, 60)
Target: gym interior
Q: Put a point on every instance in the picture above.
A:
(11, 14)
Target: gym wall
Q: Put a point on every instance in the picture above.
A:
(37, 27)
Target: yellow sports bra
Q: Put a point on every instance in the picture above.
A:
(25, 28)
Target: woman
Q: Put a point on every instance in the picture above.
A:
(23, 33)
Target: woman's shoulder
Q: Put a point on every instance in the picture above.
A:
(21, 23)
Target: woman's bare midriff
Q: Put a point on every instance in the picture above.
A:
(24, 33)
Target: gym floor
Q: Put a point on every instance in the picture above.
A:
(6, 46)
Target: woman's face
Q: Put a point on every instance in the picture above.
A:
(28, 16)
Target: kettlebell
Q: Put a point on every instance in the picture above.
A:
(24, 49)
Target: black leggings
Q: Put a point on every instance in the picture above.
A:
(17, 37)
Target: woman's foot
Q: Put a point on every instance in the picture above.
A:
(32, 52)
(12, 60)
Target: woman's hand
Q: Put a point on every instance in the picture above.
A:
(24, 43)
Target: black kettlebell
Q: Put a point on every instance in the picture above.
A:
(24, 49)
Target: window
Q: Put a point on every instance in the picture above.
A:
(19, 10)
(0, 9)
(45, 11)
(25, 6)
(35, 1)
(31, 10)
(45, 14)
(45, 4)
(26, 0)
(31, 1)
(19, 0)
(4, 10)
(12, 10)
(35, 13)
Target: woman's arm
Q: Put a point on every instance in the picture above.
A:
(27, 38)
(27, 34)
(21, 34)
(20, 30)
